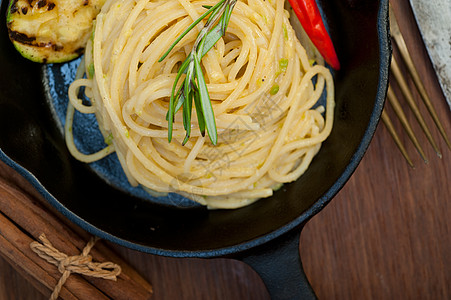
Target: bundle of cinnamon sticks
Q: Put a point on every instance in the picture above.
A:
(24, 217)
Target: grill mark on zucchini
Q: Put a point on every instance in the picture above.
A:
(31, 41)
(41, 3)
(22, 37)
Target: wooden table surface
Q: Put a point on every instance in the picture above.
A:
(386, 235)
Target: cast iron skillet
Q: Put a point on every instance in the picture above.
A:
(265, 234)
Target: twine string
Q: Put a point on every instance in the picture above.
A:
(80, 264)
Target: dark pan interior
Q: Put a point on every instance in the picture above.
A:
(31, 143)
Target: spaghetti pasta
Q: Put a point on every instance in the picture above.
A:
(262, 85)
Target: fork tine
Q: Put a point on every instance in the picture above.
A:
(409, 98)
(401, 44)
(391, 129)
(405, 123)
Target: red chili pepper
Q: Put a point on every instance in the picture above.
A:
(310, 18)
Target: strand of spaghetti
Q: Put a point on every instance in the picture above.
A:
(71, 145)
(68, 128)
(75, 101)
(193, 154)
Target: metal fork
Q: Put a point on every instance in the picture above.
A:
(393, 100)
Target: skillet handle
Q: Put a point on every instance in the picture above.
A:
(279, 265)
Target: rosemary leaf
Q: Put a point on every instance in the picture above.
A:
(223, 20)
(211, 39)
(188, 79)
(200, 116)
(186, 115)
(170, 116)
(189, 29)
(205, 103)
(171, 111)
(180, 100)
(228, 14)
(187, 111)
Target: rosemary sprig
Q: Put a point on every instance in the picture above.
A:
(194, 87)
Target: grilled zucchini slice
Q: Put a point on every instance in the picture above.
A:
(51, 31)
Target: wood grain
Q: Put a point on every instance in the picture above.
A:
(386, 235)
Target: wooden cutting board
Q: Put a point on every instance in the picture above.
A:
(386, 235)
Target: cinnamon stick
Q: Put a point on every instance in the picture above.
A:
(27, 268)
(14, 245)
(16, 181)
(29, 214)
